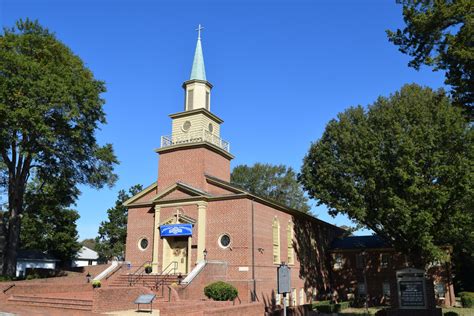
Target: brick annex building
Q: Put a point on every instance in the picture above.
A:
(194, 222)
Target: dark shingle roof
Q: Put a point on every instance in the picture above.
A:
(360, 242)
(34, 255)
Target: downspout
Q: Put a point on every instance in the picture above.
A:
(254, 292)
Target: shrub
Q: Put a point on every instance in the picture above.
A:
(96, 283)
(329, 308)
(451, 314)
(340, 306)
(321, 303)
(221, 291)
(467, 299)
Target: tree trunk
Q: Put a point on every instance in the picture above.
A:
(13, 242)
(16, 190)
(3, 243)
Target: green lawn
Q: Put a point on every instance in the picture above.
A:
(359, 311)
(460, 311)
(373, 310)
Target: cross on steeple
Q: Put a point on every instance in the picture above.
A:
(199, 31)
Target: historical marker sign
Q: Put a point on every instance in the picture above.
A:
(412, 294)
(411, 289)
(284, 282)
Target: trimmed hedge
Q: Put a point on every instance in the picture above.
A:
(341, 306)
(327, 307)
(221, 291)
(330, 308)
(467, 299)
(451, 314)
(321, 303)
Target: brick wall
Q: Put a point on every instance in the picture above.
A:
(42, 288)
(114, 299)
(213, 271)
(189, 165)
(249, 309)
(140, 225)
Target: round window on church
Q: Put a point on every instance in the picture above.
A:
(224, 240)
(186, 126)
(211, 128)
(143, 243)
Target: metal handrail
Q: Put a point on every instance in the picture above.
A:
(136, 276)
(8, 288)
(161, 278)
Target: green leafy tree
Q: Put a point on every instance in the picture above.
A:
(403, 168)
(440, 33)
(89, 243)
(113, 233)
(50, 107)
(47, 223)
(277, 183)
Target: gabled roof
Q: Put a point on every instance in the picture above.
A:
(183, 187)
(239, 192)
(145, 191)
(87, 254)
(360, 242)
(34, 255)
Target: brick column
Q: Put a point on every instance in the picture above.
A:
(201, 242)
(156, 239)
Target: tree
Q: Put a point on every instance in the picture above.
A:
(89, 243)
(440, 33)
(403, 168)
(50, 107)
(277, 183)
(48, 224)
(113, 233)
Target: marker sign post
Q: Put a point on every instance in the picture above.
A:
(411, 289)
(284, 283)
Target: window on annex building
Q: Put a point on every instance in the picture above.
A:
(360, 261)
(276, 241)
(386, 289)
(361, 288)
(338, 261)
(291, 250)
(439, 290)
(384, 260)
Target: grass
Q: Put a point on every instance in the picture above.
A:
(372, 310)
(460, 311)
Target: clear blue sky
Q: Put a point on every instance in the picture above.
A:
(280, 69)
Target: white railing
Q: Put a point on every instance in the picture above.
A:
(195, 137)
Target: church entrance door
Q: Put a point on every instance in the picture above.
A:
(178, 252)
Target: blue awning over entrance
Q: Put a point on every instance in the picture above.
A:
(176, 230)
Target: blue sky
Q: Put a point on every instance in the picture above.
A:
(280, 69)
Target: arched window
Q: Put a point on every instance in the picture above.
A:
(276, 241)
(291, 250)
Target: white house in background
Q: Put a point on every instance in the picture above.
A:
(86, 257)
(33, 259)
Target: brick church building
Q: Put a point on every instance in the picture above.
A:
(192, 214)
(193, 222)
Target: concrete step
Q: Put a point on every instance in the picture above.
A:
(52, 302)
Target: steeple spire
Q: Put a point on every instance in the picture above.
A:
(198, 71)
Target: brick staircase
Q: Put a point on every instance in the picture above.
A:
(147, 280)
(70, 301)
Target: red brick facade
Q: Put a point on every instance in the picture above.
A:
(192, 175)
